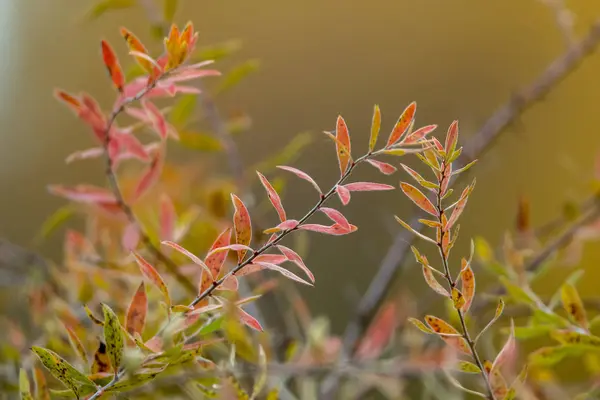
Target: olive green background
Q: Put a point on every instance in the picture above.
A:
(459, 59)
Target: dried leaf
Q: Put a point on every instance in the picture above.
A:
(273, 196)
(112, 65)
(301, 175)
(113, 338)
(135, 319)
(418, 198)
(153, 276)
(442, 328)
(343, 145)
(403, 123)
(384, 168)
(573, 305)
(242, 225)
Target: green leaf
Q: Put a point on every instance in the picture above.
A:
(237, 74)
(63, 371)
(577, 339)
(113, 338)
(421, 326)
(54, 221)
(532, 331)
(498, 313)
(483, 250)
(572, 279)
(468, 367)
(517, 293)
(573, 305)
(375, 126)
(170, 7)
(109, 5)
(199, 141)
(182, 111)
(261, 379)
(548, 356)
(140, 378)
(24, 387)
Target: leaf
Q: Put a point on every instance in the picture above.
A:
(101, 363)
(112, 65)
(460, 204)
(548, 356)
(403, 124)
(215, 261)
(457, 384)
(578, 339)
(573, 305)
(443, 328)
(76, 344)
(131, 237)
(343, 144)
(420, 180)
(277, 268)
(92, 317)
(468, 367)
(499, 310)
(284, 226)
(384, 168)
(410, 229)
(419, 134)
(113, 338)
(294, 257)
(302, 175)
(199, 141)
(451, 138)
(418, 198)
(62, 370)
(135, 319)
(468, 286)
(516, 292)
(237, 74)
(167, 217)
(261, 380)
(421, 326)
(159, 123)
(150, 177)
(273, 196)
(249, 320)
(367, 186)
(83, 193)
(140, 378)
(182, 111)
(335, 229)
(379, 334)
(134, 44)
(508, 350)
(41, 386)
(465, 168)
(336, 217)
(375, 127)
(458, 299)
(343, 193)
(242, 225)
(433, 283)
(234, 247)
(24, 386)
(196, 260)
(153, 276)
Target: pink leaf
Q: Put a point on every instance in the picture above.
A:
(85, 154)
(335, 229)
(167, 217)
(188, 254)
(216, 260)
(271, 258)
(419, 134)
(296, 259)
(379, 334)
(302, 175)
(189, 74)
(508, 350)
(282, 271)
(150, 177)
(273, 196)
(460, 205)
(343, 193)
(249, 320)
(131, 237)
(367, 186)
(342, 144)
(337, 217)
(285, 225)
(384, 168)
(234, 247)
(230, 283)
(451, 138)
(242, 224)
(158, 120)
(83, 193)
(130, 144)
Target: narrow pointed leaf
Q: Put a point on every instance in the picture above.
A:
(367, 186)
(168, 218)
(421, 326)
(261, 380)
(465, 168)
(402, 124)
(508, 350)
(442, 327)
(112, 65)
(234, 247)
(458, 299)
(249, 320)
(24, 386)
(301, 175)
(336, 216)
(196, 260)
(153, 276)
(62, 370)
(420, 180)
(499, 310)
(295, 258)
(151, 175)
(468, 367)
(468, 286)
(41, 385)
(113, 338)
(419, 134)
(343, 193)
(76, 344)
(134, 44)
(92, 317)
(242, 225)
(283, 272)
(410, 229)
(460, 205)
(577, 339)
(135, 319)
(433, 283)
(343, 145)
(384, 168)
(418, 198)
(375, 127)
(451, 138)
(273, 196)
(573, 305)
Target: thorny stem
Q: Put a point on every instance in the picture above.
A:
(465, 332)
(322, 199)
(123, 205)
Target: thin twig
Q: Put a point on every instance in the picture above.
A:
(558, 70)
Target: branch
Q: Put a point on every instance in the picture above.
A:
(475, 148)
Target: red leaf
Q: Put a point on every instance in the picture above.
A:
(151, 175)
(367, 186)
(403, 123)
(168, 217)
(71, 101)
(83, 193)
(196, 260)
(343, 145)
(216, 260)
(249, 320)
(242, 225)
(153, 276)
(131, 237)
(302, 175)
(129, 143)
(419, 134)
(136, 312)
(159, 123)
(451, 138)
(418, 198)
(296, 259)
(134, 44)
(384, 168)
(273, 196)
(379, 334)
(112, 65)
(337, 217)
(343, 193)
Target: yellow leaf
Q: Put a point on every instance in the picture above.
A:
(113, 338)
(447, 333)
(375, 127)
(573, 305)
(24, 387)
(457, 298)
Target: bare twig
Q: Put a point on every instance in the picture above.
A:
(475, 148)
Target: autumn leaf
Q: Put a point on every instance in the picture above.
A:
(135, 45)
(457, 298)
(447, 333)
(135, 319)
(195, 259)
(62, 370)
(433, 283)
(384, 168)
(24, 386)
(101, 363)
(401, 127)
(242, 225)
(294, 257)
(375, 127)
(367, 187)
(460, 205)
(76, 344)
(41, 385)
(151, 175)
(301, 175)
(573, 305)
(418, 198)
(468, 285)
(451, 138)
(113, 338)
(343, 193)
(343, 145)
(215, 261)
(379, 334)
(273, 196)
(336, 217)
(153, 276)
(419, 134)
(112, 65)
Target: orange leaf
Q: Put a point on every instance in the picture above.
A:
(342, 144)
(273, 196)
(468, 285)
(460, 205)
(447, 333)
(134, 44)
(68, 99)
(403, 123)
(433, 283)
(451, 138)
(242, 225)
(136, 312)
(112, 65)
(418, 198)
(153, 276)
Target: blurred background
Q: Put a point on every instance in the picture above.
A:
(458, 59)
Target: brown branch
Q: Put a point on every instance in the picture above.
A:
(475, 148)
